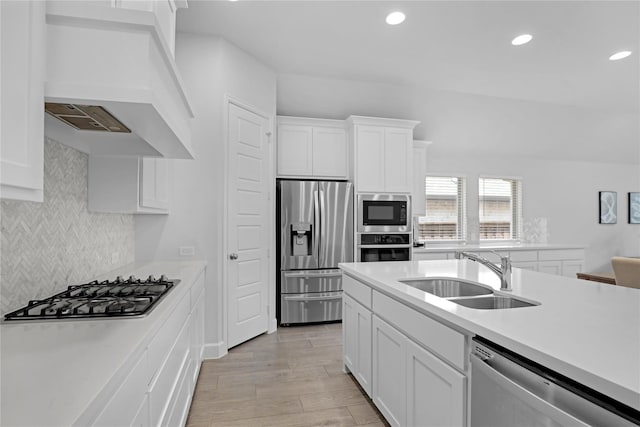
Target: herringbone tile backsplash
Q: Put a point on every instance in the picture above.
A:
(47, 246)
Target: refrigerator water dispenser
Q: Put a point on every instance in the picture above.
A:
(301, 238)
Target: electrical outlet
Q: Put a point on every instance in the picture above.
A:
(187, 251)
(115, 257)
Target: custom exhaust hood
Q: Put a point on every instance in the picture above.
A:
(112, 86)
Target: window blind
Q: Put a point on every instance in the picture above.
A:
(500, 208)
(445, 209)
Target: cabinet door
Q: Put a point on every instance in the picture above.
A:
(370, 158)
(154, 183)
(418, 197)
(526, 265)
(22, 86)
(356, 326)
(389, 374)
(550, 267)
(329, 152)
(435, 391)
(349, 333)
(295, 152)
(398, 164)
(572, 268)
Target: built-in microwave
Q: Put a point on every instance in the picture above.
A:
(384, 213)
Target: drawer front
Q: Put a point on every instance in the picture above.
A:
(357, 290)
(523, 256)
(165, 386)
(126, 401)
(433, 335)
(305, 308)
(302, 282)
(561, 254)
(197, 289)
(166, 337)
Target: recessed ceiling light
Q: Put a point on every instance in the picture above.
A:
(521, 39)
(620, 55)
(395, 18)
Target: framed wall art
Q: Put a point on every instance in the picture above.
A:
(608, 207)
(634, 208)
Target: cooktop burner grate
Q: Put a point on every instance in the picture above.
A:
(117, 298)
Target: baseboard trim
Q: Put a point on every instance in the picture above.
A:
(214, 350)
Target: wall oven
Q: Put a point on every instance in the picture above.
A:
(374, 247)
(384, 213)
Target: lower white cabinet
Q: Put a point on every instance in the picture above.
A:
(356, 329)
(435, 391)
(157, 389)
(389, 373)
(128, 185)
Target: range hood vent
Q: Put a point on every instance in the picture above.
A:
(86, 117)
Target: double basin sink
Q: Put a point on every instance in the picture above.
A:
(466, 293)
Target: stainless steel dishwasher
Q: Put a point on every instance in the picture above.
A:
(509, 390)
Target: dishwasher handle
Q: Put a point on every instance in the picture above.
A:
(480, 368)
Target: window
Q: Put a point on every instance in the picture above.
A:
(446, 219)
(500, 208)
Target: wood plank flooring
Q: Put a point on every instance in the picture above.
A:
(292, 377)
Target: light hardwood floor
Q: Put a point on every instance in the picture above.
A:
(292, 377)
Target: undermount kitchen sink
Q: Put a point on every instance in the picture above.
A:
(492, 302)
(448, 288)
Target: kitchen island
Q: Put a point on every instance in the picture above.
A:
(589, 332)
(108, 371)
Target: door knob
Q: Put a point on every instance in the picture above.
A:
(233, 256)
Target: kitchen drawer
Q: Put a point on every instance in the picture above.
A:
(125, 404)
(518, 256)
(196, 289)
(561, 254)
(180, 401)
(357, 290)
(166, 336)
(431, 334)
(305, 281)
(165, 385)
(313, 307)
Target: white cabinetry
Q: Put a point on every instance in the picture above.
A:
(22, 111)
(389, 373)
(559, 261)
(311, 148)
(418, 202)
(417, 365)
(128, 185)
(157, 387)
(383, 151)
(356, 329)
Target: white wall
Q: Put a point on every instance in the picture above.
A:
(564, 154)
(211, 68)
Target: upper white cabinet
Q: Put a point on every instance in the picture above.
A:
(128, 185)
(418, 199)
(311, 148)
(23, 74)
(382, 154)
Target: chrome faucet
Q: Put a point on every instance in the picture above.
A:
(503, 272)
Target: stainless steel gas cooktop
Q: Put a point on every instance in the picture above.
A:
(118, 298)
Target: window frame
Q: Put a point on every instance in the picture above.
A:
(517, 211)
(461, 211)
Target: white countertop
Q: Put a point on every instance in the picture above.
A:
(51, 371)
(585, 330)
(502, 246)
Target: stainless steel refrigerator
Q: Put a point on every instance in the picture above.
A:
(315, 220)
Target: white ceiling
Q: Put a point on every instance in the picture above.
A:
(461, 46)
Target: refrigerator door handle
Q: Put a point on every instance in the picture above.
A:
(317, 214)
(321, 227)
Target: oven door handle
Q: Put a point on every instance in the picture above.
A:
(361, 246)
(308, 298)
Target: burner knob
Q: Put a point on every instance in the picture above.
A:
(164, 278)
(151, 279)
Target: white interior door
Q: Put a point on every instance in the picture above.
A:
(248, 226)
